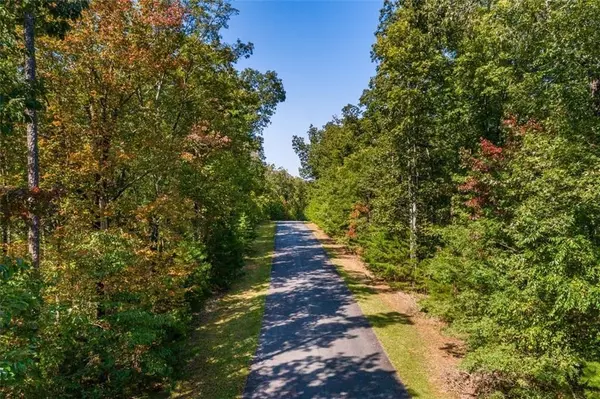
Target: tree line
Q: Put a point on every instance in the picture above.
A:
(470, 170)
(132, 177)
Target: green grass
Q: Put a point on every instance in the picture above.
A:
(225, 340)
(400, 339)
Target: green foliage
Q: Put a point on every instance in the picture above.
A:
(343, 199)
(471, 169)
(285, 196)
(19, 311)
(226, 335)
(152, 186)
(387, 256)
(521, 277)
(225, 254)
(127, 352)
(199, 281)
(591, 380)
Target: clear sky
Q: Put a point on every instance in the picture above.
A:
(321, 51)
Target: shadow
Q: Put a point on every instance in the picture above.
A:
(454, 350)
(334, 249)
(363, 286)
(315, 342)
(385, 319)
(220, 347)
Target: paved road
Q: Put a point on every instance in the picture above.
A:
(315, 342)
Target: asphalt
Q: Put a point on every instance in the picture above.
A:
(315, 342)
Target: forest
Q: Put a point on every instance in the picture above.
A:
(133, 182)
(470, 171)
(132, 179)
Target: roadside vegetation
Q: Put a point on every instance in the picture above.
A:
(287, 195)
(470, 171)
(226, 331)
(392, 321)
(132, 183)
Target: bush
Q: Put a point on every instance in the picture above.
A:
(19, 321)
(519, 273)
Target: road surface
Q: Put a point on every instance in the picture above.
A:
(315, 342)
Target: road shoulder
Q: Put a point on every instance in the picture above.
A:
(226, 337)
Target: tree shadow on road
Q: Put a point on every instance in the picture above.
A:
(309, 313)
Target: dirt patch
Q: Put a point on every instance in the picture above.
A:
(442, 353)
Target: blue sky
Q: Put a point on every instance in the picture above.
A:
(321, 51)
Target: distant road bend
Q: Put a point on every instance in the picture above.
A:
(315, 341)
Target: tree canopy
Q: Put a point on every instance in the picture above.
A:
(152, 180)
(470, 171)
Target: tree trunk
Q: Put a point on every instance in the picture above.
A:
(4, 213)
(595, 93)
(413, 227)
(33, 175)
(154, 233)
(5, 237)
(412, 194)
(196, 221)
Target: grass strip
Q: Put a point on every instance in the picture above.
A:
(401, 340)
(226, 338)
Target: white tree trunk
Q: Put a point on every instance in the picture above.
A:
(33, 175)
(412, 194)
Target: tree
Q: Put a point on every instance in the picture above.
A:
(33, 171)
(470, 177)
(518, 273)
(50, 17)
(286, 195)
(151, 188)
